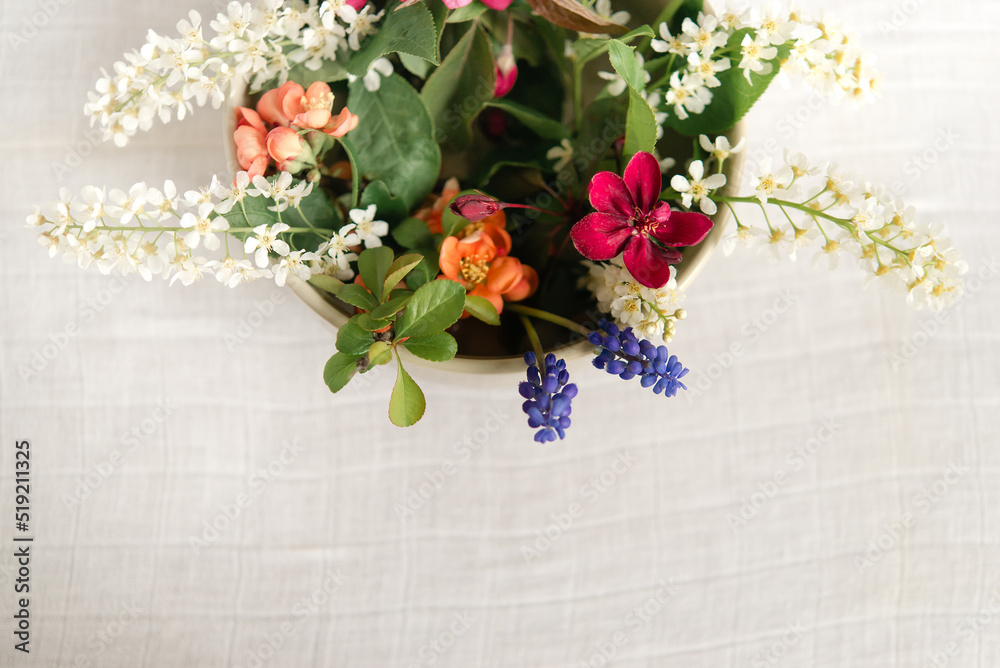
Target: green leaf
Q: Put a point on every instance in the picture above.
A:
(460, 87)
(355, 171)
(327, 283)
(394, 141)
(439, 347)
(424, 272)
(417, 66)
(543, 126)
(380, 353)
(587, 49)
(733, 98)
(483, 309)
(626, 64)
(407, 404)
(435, 306)
(339, 370)
(373, 264)
(369, 324)
(393, 306)
(352, 339)
(403, 265)
(640, 126)
(355, 295)
(467, 13)
(413, 233)
(406, 30)
(389, 208)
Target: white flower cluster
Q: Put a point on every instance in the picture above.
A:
(168, 75)
(850, 215)
(131, 232)
(826, 55)
(650, 312)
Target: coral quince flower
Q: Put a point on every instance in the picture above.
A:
(499, 5)
(630, 219)
(285, 146)
(486, 270)
(310, 109)
(251, 142)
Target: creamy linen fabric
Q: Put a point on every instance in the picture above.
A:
(878, 545)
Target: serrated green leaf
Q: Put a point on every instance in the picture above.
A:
(483, 309)
(541, 125)
(624, 61)
(439, 347)
(456, 92)
(369, 324)
(327, 283)
(467, 13)
(424, 272)
(355, 295)
(407, 403)
(393, 306)
(408, 30)
(413, 233)
(339, 370)
(434, 307)
(403, 265)
(733, 98)
(373, 264)
(394, 142)
(349, 150)
(588, 48)
(380, 353)
(388, 207)
(640, 126)
(416, 66)
(352, 339)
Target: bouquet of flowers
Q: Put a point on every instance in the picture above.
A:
(486, 177)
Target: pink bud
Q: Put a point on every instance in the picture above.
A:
(475, 207)
(357, 4)
(506, 71)
(284, 144)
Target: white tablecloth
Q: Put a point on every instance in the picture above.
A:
(827, 497)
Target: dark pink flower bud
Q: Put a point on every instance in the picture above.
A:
(475, 207)
(506, 71)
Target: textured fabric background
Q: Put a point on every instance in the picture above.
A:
(872, 530)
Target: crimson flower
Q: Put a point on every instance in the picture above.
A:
(629, 218)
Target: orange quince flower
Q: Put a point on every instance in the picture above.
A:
(476, 262)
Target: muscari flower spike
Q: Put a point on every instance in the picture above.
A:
(625, 356)
(548, 397)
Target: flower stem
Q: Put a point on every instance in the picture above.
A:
(536, 343)
(550, 317)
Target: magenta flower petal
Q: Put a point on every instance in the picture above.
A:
(499, 5)
(601, 236)
(682, 229)
(642, 177)
(609, 194)
(648, 264)
(455, 4)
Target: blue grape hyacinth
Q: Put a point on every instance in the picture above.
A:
(625, 356)
(548, 397)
